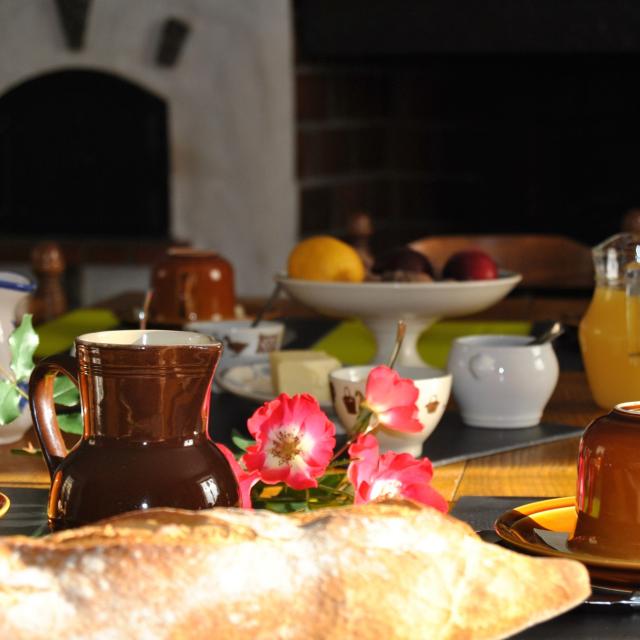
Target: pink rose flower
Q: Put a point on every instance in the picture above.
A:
(392, 399)
(294, 441)
(390, 475)
(245, 480)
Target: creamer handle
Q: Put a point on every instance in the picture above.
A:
(482, 365)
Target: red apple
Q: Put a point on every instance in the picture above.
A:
(470, 265)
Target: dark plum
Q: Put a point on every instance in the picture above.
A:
(402, 259)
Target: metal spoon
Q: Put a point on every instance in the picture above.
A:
(143, 314)
(553, 332)
(267, 305)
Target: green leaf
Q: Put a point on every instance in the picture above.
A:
(25, 451)
(42, 530)
(297, 506)
(71, 423)
(284, 507)
(65, 392)
(9, 402)
(23, 342)
(240, 441)
(332, 478)
(276, 507)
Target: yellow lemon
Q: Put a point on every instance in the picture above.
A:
(325, 258)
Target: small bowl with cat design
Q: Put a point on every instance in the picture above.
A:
(348, 386)
(242, 342)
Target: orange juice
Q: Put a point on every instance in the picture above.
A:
(613, 369)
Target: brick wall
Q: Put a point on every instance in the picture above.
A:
(343, 144)
(469, 144)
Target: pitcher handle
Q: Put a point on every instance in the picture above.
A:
(43, 409)
(632, 301)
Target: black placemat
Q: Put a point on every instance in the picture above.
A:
(481, 511)
(586, 623)
(27, 513)
(453, 441)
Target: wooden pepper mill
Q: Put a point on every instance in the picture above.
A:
(49, 300)
(631, 221)
(359, 232)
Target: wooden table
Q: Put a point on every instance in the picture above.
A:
(542, 470)
(546, 470)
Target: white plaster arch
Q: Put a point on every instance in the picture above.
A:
(229, 102)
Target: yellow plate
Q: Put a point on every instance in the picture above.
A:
(543, 528)
(4, 504)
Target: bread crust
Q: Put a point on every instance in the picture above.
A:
(386, 570)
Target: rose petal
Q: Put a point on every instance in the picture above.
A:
(294, 441)
(392, 400)
(391, 474)
(401, 419)
(364, 454)
(386, 389)
(246, 481)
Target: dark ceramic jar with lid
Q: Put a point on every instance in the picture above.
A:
(190, 285)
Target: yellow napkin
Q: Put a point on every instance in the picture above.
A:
(58, 335)
(352, 342)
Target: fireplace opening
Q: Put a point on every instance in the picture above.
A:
(83, 154)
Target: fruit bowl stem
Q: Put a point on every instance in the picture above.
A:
(384, 331)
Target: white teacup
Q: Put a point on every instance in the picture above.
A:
(242, 342)
(502, 381)
(434, 386)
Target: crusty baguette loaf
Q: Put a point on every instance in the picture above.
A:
(388, 570)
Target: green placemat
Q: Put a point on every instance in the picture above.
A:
(352, 342)
(58, 335)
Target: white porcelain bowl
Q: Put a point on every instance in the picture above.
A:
(242, 342)
(502, 381)
(381, 304)
(434, 386)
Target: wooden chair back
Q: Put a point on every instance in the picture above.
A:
(545, 261)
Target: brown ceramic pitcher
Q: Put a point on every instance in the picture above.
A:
(145, 404)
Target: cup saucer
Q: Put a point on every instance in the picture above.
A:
(4, 504)
(544, 528)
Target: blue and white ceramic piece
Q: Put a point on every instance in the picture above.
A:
(14, 288)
